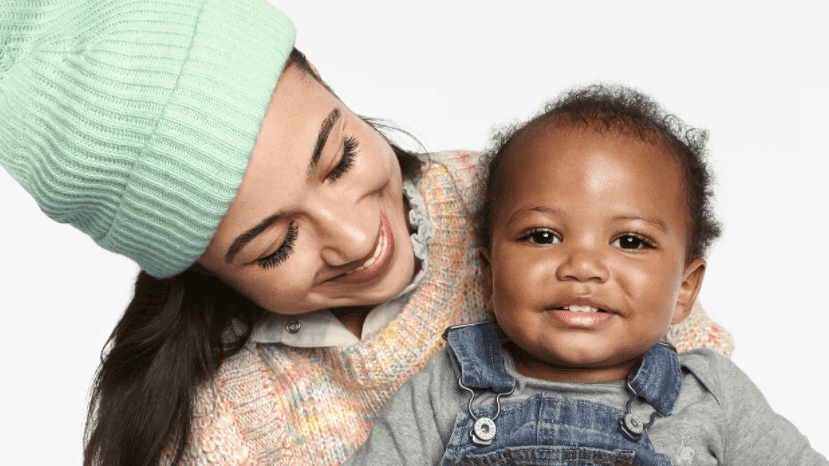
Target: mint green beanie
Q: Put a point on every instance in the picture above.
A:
(134, 120)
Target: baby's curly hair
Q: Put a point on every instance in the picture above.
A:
(614, 108)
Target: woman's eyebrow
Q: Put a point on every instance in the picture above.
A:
(322, 137)
(242, 240)
(246, 237)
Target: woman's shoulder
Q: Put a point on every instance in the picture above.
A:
(232, 407)
(455, 170)
(215, 431)
(462, 160)
(453, 280)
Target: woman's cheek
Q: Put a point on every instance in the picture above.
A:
(384, 158)
(259, 285)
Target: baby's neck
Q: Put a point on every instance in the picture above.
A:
(530, 366)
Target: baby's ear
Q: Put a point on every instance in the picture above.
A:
(486, 276)
(694, 273)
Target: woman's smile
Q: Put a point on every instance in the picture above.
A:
(376, 264)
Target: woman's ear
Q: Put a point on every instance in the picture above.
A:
(691, 283)
(486, 276)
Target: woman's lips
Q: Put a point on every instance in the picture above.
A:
(383, 248)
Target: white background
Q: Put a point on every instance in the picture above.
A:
(755, 76)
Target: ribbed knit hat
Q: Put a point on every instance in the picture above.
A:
(134, 120)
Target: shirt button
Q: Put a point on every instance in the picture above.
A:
(292, 326)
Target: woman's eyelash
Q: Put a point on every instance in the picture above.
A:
(287, 247)
(284, 250)
(349, 153)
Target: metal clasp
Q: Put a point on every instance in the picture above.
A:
(484, 430)
(631, 425)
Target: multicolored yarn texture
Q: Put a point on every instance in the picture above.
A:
(273, 404)
(699, 331)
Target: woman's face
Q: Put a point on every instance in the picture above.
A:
(319, 219)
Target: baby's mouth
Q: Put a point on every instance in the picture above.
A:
(582, 316)
(575, 308)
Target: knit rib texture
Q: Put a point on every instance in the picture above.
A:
(134, 120)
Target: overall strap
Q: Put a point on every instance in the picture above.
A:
(477, 355)
(659, 377)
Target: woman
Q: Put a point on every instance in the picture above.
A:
(297, 267)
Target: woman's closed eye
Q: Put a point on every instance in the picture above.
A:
(346, 161)
(632, 241)
(283, 252)
(541, 236)
(287, 247)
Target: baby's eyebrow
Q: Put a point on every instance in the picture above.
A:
(547, 210)
(656, 222)
(525, 210)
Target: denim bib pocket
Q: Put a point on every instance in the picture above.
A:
(550, 456)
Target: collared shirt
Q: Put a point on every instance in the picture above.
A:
(321, 329)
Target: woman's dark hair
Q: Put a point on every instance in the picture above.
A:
(622, 110)
(172, 338)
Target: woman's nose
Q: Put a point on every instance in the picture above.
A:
(583, 263)
(348, 231)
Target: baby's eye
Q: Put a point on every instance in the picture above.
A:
(542, 237)
(631, 241)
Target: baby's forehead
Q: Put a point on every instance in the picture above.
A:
(547, 136)
(574, 156)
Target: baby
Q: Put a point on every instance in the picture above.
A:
(595, 223)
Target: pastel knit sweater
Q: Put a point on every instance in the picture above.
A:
(275, 404)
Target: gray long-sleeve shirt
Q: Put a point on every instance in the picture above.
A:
(720, 417)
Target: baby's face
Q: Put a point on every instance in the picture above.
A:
(587, 267)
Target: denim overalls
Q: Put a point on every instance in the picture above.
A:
(551, 429)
